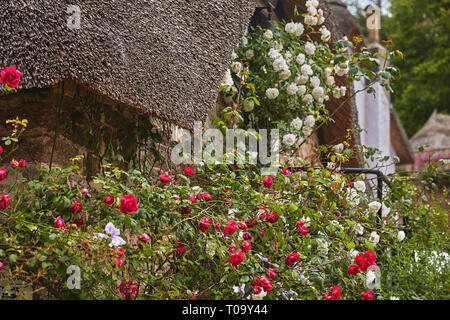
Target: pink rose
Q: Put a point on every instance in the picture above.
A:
(109, 200)
(59, 222)
(206, 196)
(144, 238)
(188, 171)
(4, 201)
(271, 274)
(286, 172)
(164, 178)
(84, 192)
(267, 182)
(128, 204)
(2, 173)
(10, 77)
(204, 224)
(246, 246)
(367, 295)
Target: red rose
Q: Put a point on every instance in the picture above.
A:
(164, 178)
(251, 223)
(246, 246)
(4, 201)
(300, 223)
(267, 182)
(266, 284)
(353, 269)
(109, 200)
(367, 295)
(185, 210)
(128, 204)
(76, 207)
(370, 256)
(1, 266)
(204, 224)
(247, 236)
(243, 226)
(188, 171)
(361, 261)
(286, 172)
(271, 274)
(228, 200)
(230, 228)
(59, 222)
(128, 289)
(262, 233)
(303, 231)
(22, 163)
(206, 196)
(2, 173)
(1, 149)
(292, 258)
(119, 262)
(144, 238)
(10, 77)
(236, 258)
(180, 248)
(257, 290)
(192, 198)
(334, 294)
(79, 222)
(272, 218)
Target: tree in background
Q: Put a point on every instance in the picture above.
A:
(420, 30)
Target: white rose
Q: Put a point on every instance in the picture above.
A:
(374, 238)
(278, 46)
(401, 235)
(260, 295)
(306, 70)
(339, 148)
(297, 123)
(236, 67)
(343, 90)
(249, 104)
(301, 79)
(299, 30)
(318, 93)
(249, 54)
(285, 74)
(311, 20)
(292, 89)
(227, 80)
(329, 81)
(273, 53)
(359, 229)
(272, 93)
(353, 253)
(310, 121)
(234, 56)
(301, 90)
(308, 98)
(289, 139)
(279, 64)
(300, 59)
(268, 35)
(310, 48)
(290, 27)
(315, 81)
(374, 206)
(360, 186)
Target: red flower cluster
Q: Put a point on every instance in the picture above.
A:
(128, 204)
(362, 263)
(261, 283)
(267, 182)
(76, 207)
(334, 294)
(236, 259)
(367, 295)
(128, 289)
(164, 178)
(272, 217)
(230, 228)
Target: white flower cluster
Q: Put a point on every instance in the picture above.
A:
(295, 28)
(314, 16)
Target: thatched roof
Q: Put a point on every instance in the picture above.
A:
(435, 133)
(166, 57)
(347, 25)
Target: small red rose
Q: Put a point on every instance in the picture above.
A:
(22, 163)
(267, 182)
(204, 224)
(109, 200)
(4, 201)
(164, 178)
(76, 207)
(292, 258)
(236, 259)
(188, 171)
(230, 228)
(10, 77)
(2, 173)
(271, 274)
(353, 269)
(144, 238)
(246, 246)
(128, 204)
(367, 295)
(206, 196)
